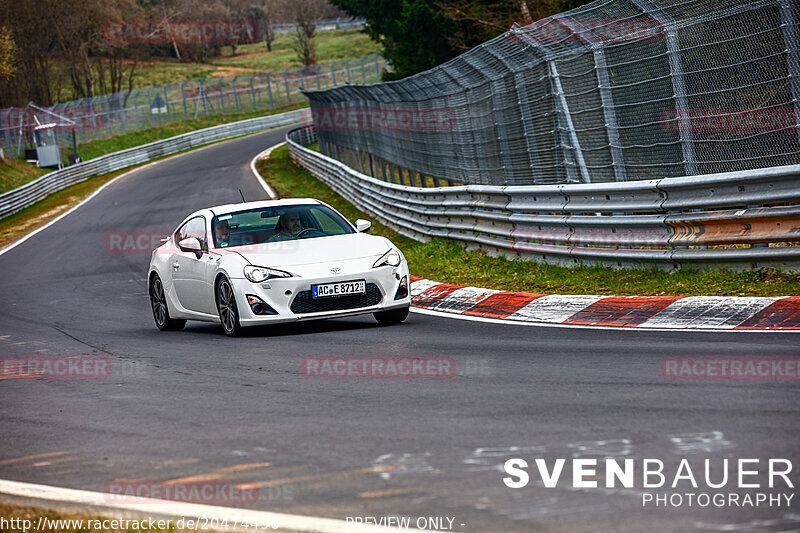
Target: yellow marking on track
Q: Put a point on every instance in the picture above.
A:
(178, 462)
(313, 477)
(215, 474)
(396, 492)
(32, 457)
(56, 461)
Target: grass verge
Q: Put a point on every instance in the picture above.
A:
(447, 261)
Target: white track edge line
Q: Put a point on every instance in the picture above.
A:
(491, 320)
(266, 186)
(305, 524)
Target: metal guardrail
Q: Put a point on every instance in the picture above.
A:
(323, 25)
(669, 222)
(23, 196)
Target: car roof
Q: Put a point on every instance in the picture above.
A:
(245, 206)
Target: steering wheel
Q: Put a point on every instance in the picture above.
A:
(303, 232)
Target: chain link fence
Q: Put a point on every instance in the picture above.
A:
(104, 116)
(614, 91)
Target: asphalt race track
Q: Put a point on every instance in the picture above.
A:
(196, 403)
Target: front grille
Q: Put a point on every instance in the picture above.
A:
(304, 303)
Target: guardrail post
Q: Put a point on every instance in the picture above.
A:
(789, 29)
(678, 83)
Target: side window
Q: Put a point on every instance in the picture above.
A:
(327, 223)
(195, 227)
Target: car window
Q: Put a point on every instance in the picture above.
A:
(195, 227)
(256, 226)
(326, 222)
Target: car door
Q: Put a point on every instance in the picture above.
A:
(189, 272)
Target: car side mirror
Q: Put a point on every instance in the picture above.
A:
(363, 226)
(191, 244)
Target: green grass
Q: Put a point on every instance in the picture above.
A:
(332, 45)
(447, 261)
(18, 172)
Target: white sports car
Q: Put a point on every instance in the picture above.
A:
(275, 261)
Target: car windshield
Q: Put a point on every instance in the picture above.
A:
(279, 223)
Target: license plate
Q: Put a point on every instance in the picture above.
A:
(340, 288)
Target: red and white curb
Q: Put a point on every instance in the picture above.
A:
(643, 312)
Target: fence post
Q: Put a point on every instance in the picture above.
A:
(377, 67)
(789, 29)
(286, 82)
(183, 95)
(253, 92)
(221, 95)
(269, 90)
(363, 71)
(166, 101)
(563, 109)
(678, 82)
(236, 94)
(609, 113)
(333, 72)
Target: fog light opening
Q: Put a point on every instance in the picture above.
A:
(259, 307)
(402, 290)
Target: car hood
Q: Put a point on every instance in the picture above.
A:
(285, 254)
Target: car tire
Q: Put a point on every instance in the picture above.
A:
(158, 303)
(392, 316)
(226, 307)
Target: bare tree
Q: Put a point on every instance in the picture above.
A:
(305, 14)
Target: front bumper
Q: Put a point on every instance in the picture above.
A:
(281, 293)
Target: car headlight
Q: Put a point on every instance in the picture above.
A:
(258, 274)
(390, 258)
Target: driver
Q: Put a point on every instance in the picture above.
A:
(222, 233)
(288, 227)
